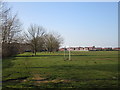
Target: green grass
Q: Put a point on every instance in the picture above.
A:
(87, 69)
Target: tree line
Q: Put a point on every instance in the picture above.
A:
(15, 40)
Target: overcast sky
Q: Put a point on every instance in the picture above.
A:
(80, 24)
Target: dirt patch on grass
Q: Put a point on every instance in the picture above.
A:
(37, 78)
(60, 80)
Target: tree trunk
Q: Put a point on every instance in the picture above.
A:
(35, 52)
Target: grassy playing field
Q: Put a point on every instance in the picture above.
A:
(87, 69)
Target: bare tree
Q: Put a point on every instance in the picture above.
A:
(52, 41)
(34, 35)
(10, 27)
(41, 43)
(0, 30)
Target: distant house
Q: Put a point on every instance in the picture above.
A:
(107, 49)
(61, 49)
(71, 48)
(81, 49)
(89, 49)
(77, 49)
(86, 49)
(117, 49)
(98, 48)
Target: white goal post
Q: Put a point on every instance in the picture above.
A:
(67, 55)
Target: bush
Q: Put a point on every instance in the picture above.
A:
(9, 49)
